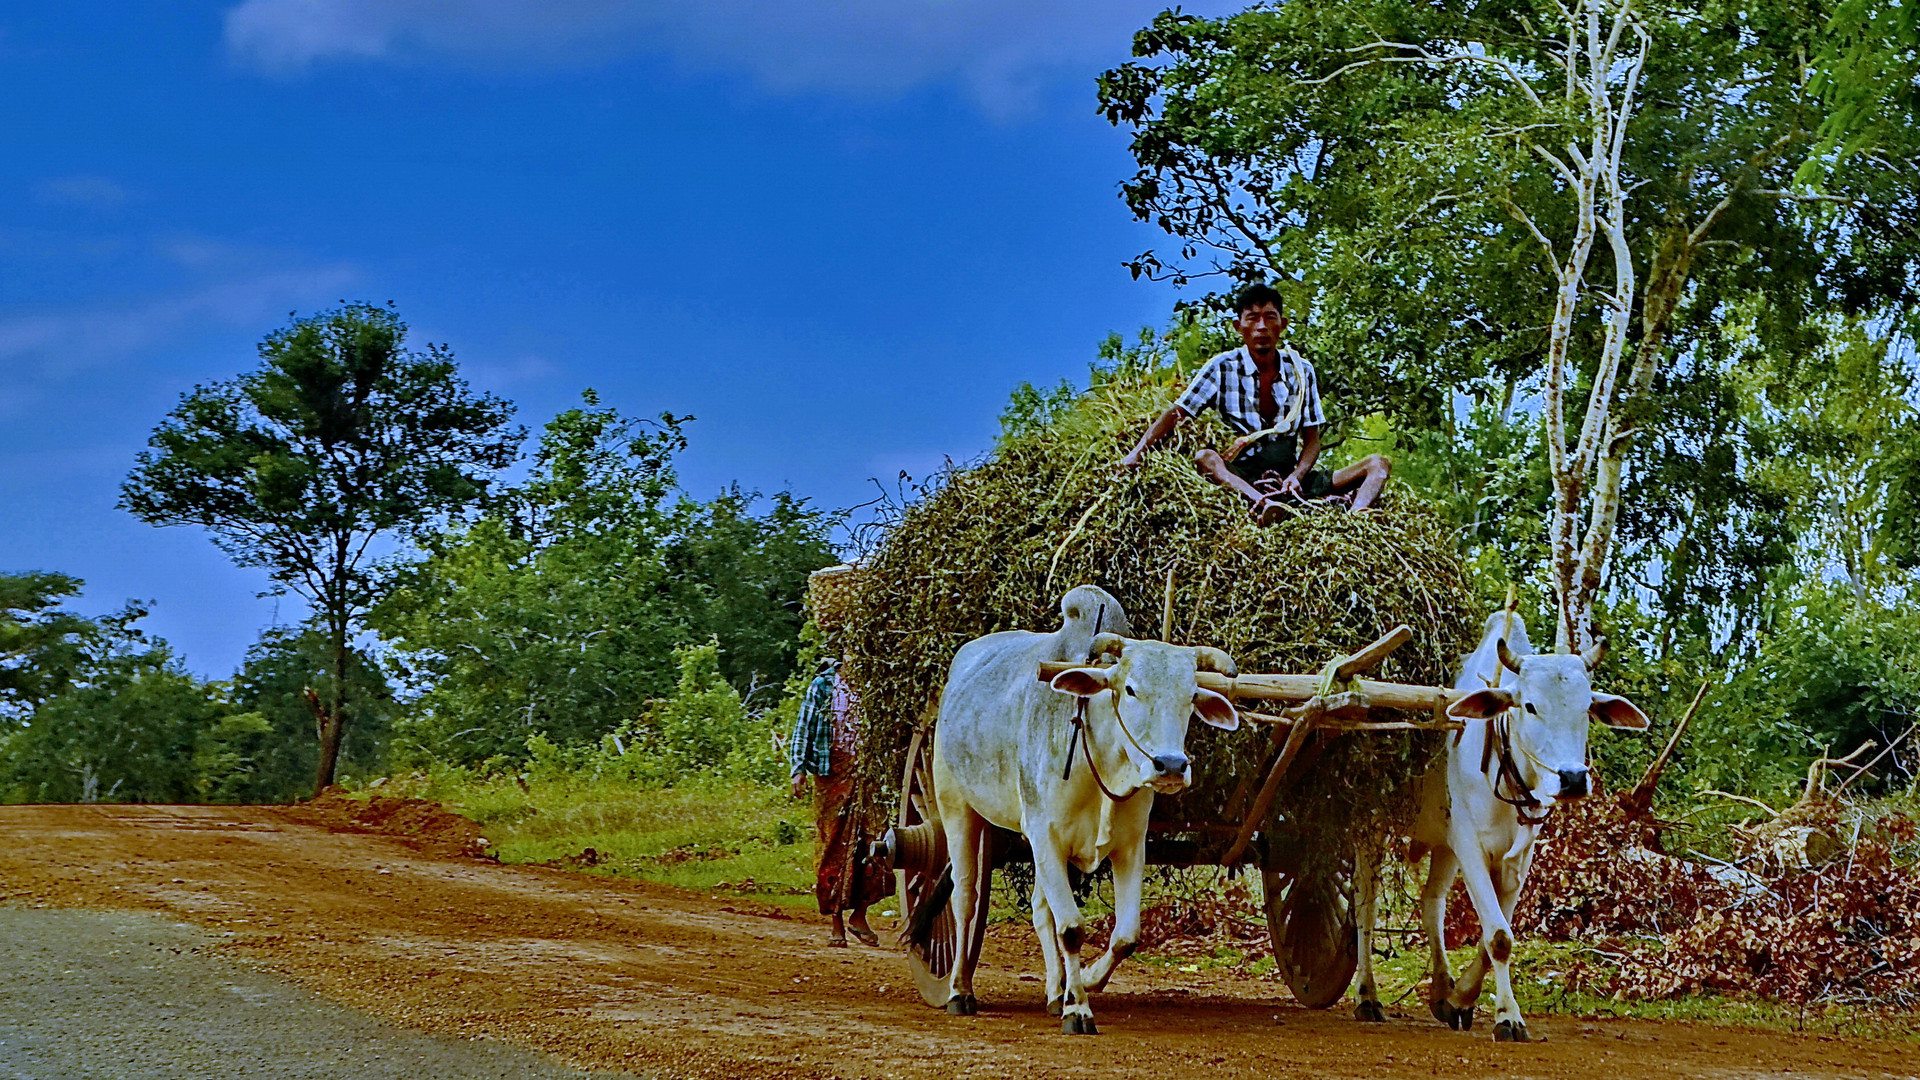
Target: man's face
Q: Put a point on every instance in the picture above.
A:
(1260, 327)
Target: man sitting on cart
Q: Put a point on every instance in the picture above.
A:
(1270, 398)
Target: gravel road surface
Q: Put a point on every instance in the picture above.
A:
(661, 982)
(133, 996)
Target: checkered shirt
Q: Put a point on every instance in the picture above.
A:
(811, 750)
(1229, 384)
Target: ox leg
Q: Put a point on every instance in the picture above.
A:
(1433, 919)
(1129, 874)
(1366, 880)
(1493, 901)
(966, 833)
(1050, 874)
(1044, 929)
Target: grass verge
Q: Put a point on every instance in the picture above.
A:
(710, 835)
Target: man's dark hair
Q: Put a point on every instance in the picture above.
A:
(1256, 294)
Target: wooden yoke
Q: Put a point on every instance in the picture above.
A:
(1299, 689)
(1336, 699)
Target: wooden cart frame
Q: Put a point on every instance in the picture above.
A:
(1308, 909)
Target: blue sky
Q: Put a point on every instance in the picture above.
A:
(838, 233)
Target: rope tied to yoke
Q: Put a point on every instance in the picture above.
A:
(1082, 736)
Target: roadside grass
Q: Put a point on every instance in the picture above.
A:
(711, 835)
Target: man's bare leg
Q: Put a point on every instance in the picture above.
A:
(1214, 467)
(857, 926)
(1363, 480)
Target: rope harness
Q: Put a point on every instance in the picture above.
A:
(1086, 751)
(1083, 733)
(1524, 804)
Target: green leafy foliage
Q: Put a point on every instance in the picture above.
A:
(272, 686)
(558, 613)
(1396, 203)
(41, 647)
(341, 437)
(133, 726)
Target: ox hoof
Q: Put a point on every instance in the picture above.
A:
(962, 1005)
(1076, 1024)
(1371, 1012)
(1451, 1015)
(1511, 1031)
(1053, 1006)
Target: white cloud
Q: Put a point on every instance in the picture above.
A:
(1000, 50)
(530, 369)
(88, 192)
(59, 344)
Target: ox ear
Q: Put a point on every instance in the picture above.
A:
(1081, 681)
(1215, 709)
(1617, 712)
(1482, 704)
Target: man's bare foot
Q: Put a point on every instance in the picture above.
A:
(857, 926)
(1269, 509)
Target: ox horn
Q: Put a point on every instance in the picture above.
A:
(1594, 655)
(1507, 659)
(1105, 645)
(1208, 658)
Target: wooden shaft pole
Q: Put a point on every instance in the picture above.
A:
(1299, 689)
(1296, 739)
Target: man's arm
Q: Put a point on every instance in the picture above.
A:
(1309, 453)
(1159, 429)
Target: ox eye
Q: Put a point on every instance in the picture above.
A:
(1531, 709)
(1130, 692)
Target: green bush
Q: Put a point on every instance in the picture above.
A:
(703, 730)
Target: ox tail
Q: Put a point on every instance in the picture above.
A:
(920, 922)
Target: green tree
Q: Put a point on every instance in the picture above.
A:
(1563, 201)
(132, 726)
(40, 646)
(558, 613)
(284, 673)
(342, 438)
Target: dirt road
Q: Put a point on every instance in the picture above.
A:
(662, 982)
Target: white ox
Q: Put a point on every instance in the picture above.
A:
(1007, 751)
(1481, 809)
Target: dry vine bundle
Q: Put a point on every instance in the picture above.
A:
(994, 546)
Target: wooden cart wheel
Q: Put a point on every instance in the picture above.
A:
(932, 960)
(1311, 924)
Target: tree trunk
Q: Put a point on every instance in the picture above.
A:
(332, 716)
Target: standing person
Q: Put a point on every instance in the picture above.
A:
(825, 745)
(1269, 396)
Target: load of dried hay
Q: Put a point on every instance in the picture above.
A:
(993, 547)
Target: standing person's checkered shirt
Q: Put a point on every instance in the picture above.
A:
(1229, 384)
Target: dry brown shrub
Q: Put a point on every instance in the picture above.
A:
(1846, 931)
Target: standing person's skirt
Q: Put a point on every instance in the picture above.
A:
(844, 879)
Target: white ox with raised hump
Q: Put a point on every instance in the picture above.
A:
(1007, 751)
(1523, 749)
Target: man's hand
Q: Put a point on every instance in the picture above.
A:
(799, 785)
(1130, 462)
(1291, 488)
(1233, 448)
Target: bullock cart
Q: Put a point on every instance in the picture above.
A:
(1307, 899)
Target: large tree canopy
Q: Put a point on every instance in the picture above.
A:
(1559, 201)
(341, 437)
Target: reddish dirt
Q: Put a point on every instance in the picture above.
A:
(631, 975)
